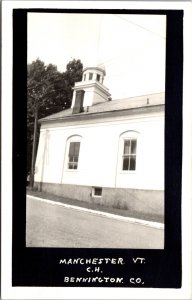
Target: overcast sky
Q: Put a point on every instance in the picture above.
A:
(132, 47)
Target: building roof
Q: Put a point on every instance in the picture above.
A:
(113, 105)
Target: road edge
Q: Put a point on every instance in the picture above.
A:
(101, 213)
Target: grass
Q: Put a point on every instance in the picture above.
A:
(94, 206)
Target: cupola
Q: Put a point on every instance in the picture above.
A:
(93, 90)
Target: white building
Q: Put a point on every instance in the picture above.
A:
(105, 151)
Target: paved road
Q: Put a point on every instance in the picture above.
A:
(57, 226)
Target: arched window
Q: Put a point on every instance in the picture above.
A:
(128, 151)
(72, 152)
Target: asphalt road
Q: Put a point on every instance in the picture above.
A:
(50, 225)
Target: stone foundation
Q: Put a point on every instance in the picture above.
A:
(145, 201)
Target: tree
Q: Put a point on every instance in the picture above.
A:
(48, 91)
(73, 73)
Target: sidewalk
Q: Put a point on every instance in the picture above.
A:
(97, 207)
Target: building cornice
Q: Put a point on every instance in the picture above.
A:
(91, 83)
(107, 114)
(95, 68)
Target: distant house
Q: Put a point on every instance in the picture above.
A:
(105, 151)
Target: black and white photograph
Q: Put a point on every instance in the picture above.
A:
(95, 150)
(95, 130)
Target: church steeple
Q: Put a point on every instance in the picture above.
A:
(92, 85)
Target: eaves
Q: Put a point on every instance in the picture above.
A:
(106, 114)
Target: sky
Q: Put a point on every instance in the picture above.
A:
(131, 47)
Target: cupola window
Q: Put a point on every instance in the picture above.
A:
(90, 76)
(98, 77)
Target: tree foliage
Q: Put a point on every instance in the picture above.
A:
(48, 91)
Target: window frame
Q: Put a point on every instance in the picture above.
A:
(72, 139)
(125, 136)
(93, 191)
(129, 155)
(73, 162)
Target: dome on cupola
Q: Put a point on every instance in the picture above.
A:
(102, 67)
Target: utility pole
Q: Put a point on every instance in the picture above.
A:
(32, 173)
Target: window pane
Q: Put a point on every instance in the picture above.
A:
(133, 146)
(75, 158)
(70, 158)
(71, 149)
(127, 147)
(76, 149)
(126, 163)
(72, 165)
(132, 163)
(90, 76)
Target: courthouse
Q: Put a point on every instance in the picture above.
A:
(104, 150)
